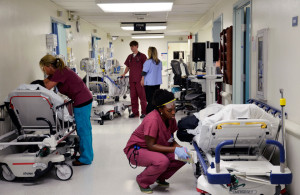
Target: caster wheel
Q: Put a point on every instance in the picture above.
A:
(101, 122)
(63, 171)
(7, 174)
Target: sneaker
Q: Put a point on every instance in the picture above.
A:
(133, 115)
(146, 190)
(142, 116)
(162, 183)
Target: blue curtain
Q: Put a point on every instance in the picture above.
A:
(54, 31)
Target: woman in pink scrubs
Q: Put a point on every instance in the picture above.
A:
(152, 144)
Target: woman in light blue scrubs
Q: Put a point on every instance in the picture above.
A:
(152, 78)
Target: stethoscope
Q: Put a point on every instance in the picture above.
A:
(137, 57)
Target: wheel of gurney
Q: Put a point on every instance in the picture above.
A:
(7, 174)
(111, 116)
(63, 171)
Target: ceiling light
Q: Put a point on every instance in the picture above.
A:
(127, 27)
(114, 37)
(148, 36)
(136, 7)
(149, 26)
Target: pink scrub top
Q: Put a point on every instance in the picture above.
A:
(71, 85)
(135, 65)
(152, 126)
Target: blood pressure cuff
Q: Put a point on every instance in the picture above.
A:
(188, 122)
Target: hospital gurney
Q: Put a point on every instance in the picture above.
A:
(111, 100)
(45, 135)
(229, 151)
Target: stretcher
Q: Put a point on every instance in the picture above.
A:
(45, 135)
(229, 150)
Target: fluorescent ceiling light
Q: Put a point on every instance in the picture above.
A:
(127, 27)
(156, 27)
(149, 26)
(148, 36)
(136, 7)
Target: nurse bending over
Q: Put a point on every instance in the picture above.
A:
(152, 144)
(71, 85)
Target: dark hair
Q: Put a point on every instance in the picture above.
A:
(133, 43)
(40, 82)
(161, 96)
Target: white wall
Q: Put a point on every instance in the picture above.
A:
(24, 25)
(283, 66)
(204, 25)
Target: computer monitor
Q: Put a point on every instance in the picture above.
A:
(178, 54)
(215, 47)
(199, 51)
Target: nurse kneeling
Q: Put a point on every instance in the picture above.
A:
(152, 144)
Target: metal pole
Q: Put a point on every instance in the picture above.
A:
(282, 104)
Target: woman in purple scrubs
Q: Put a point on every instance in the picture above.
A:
(71, 85)
(152, 144)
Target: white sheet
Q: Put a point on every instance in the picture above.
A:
(231, 112)
(55, 99)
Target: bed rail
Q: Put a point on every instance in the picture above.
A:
(2, 118)
(267, 108)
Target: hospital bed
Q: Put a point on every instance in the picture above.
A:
(45, 135)
(229, 153)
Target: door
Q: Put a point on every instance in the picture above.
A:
(241, 51)
(247, 54)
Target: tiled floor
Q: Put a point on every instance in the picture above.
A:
(109, 174)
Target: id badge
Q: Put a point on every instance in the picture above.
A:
(171, 140)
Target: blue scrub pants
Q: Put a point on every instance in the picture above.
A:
(84, 131)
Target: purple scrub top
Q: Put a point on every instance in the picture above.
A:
(152, 126)
(135, 65)
(71, 85)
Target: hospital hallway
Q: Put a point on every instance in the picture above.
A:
(110, 173)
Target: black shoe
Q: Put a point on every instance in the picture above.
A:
(132, 115)
(162, 183)
(142, 116)
(77, 163)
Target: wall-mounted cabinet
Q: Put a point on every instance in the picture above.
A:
(226, 54)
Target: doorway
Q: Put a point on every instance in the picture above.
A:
(241, 51)
(217, 28)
